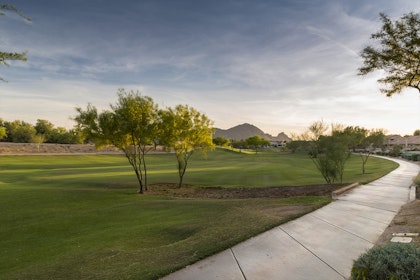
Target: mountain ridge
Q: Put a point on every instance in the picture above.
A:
(246, 130)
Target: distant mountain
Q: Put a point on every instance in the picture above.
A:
(247, 130)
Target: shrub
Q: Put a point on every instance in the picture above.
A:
(417, 181)
(392, 261)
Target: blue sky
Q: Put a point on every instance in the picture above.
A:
(279, 65)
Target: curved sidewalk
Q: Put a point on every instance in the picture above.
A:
(319, 245)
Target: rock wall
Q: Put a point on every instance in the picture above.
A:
(32, 148)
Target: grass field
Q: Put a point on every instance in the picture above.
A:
(69, 217)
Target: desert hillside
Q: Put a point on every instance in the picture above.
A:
(247, 130)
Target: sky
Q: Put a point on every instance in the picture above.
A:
(279, 65)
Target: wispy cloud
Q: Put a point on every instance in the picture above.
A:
(279, 65)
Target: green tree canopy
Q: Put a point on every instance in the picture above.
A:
(19, 131)
(364, 141)
(257, 142)
(130, 125)
(12, 8)
(8, 56)
(185, 130)
(328, 151)
(3, 133)
(221, 141)
(43, 127)
(398, 54)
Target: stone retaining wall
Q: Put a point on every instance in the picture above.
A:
(33, 148)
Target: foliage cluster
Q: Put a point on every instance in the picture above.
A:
(254, 142)
(43, 131)
(136, 125)
(330, 151)
(397, 54)
(221, 141)
(392, 261)
(6, 56)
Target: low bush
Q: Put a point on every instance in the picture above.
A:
(417, 181)
(391, 261)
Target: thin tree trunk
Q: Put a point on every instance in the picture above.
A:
(133, 162)
(364, 161)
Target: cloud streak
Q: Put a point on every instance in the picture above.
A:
(277, 64)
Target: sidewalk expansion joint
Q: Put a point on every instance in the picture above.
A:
(362, 216)
(340, 228)
(315, 255)
(237, 262)
(364, 204)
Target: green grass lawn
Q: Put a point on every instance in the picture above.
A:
(70, 217)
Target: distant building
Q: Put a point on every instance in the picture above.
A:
(408, 143)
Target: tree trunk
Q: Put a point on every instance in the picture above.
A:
(133, 163)
(181, 177)
(182, 167)
(140, 191)
(145, 173)
(364, 160)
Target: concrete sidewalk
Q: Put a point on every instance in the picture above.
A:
(319, 245)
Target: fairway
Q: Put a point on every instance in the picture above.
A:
(67, 217)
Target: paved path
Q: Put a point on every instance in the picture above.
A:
(319, 245)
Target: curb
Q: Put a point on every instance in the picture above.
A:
(412, 193)
(342, 190)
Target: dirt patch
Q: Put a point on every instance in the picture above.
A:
(407, 220)
(172, 190)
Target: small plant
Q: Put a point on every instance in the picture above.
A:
(392, 261)
(417, 181)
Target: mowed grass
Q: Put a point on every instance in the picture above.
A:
(79, 217)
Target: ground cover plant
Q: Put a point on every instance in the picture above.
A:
(67, 217)
(391, 261)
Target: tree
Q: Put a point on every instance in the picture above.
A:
(330, 156)
(61, 135)
(130, 125)
(356, 136)
(297, 145)
(239, 144)
(320, 157)
(416, 132)
(339, 151)
(7, 56)
(38, 139)
(44, 127)
(12, 8)
(185, 130)
(3, 131)
(330, 152)
(364, 142)
(373, 140)
(58, 135)
(256, 142)
(19, 132)
(398, 54)
(221, 141)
